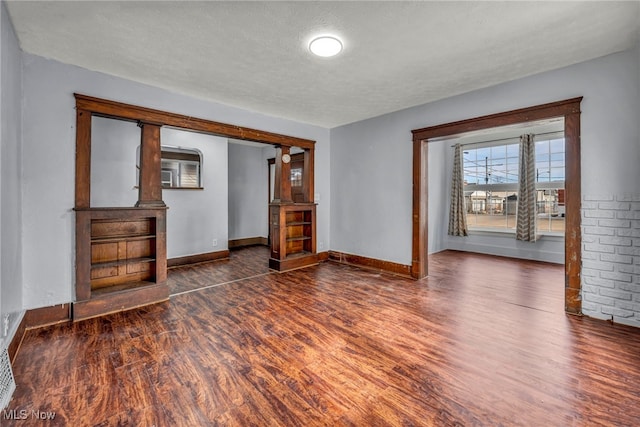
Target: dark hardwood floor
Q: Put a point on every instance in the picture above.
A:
(482, 341)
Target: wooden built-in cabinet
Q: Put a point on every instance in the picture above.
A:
(294, 235)
(121, 259)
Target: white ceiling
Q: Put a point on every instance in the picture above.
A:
(254, 55)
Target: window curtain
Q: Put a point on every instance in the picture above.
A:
(526, 213)
(457, 213)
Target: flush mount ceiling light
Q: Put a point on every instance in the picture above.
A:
(325, 46)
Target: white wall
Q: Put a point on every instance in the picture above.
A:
(49, 153)
(10, 179)
(196, 217)
(371, 161)
(248, 195)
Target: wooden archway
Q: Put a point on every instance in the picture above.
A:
(568, 109)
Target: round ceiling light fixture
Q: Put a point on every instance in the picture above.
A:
(325, 46)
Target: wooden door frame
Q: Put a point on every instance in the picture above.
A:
(569, 109)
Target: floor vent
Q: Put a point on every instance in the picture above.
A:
(7, 382)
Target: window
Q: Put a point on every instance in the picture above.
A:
(491, 184)
(181, 167)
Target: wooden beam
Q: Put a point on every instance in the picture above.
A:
(118, 110)
(150, 182)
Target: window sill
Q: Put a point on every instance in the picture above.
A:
(549, 235)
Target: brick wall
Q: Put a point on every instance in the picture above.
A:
(611, 257)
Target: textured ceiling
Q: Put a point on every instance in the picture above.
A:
(254, 55)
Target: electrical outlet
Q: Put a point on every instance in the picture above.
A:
(215, 242)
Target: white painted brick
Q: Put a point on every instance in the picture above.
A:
(631, 321)
(618, 295)
(618, 259)
(618, 277)
(628, 214)
(595, 247)
(589, 205)
(599, 231)
(617, 312)
(589, 307)
(628, 232)
(598, 197)
(629, 269)
(628, 305)
(616, 223)
(599, 214)
(590, 289)
(630, 287)
(590, 256)
(589, 222)
(623, 250)
(587, 272)
(599, 299)
(616, 241)
(597, 265)
(597, 281)
(628, 197)
(614, 206)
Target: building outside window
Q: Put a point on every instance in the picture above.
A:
(491, 184)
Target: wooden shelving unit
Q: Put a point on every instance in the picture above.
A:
(120, 259)
(294, 242)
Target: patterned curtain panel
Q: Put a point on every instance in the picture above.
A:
(457, 213)
(526, 218)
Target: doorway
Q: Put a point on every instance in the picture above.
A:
(569, 110)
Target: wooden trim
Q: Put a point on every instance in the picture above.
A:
(323, 256)
(83, 158)
(419, 264)
(248, 241)
(371, 263)
(294, 262)
(522, 115)
(45, 316)
(570, 110)
(116, 301)
(196, 259)
(150, 182)
(118, 110)
(573, 203)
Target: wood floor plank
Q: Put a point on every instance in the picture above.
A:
(483, 341)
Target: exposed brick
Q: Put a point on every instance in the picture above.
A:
(628, 197)
(595, 247)
(614, 206)
(618, 277)
(623, 250)
(597, 265)
(618, 295)
(618, 312)
(589, 205)
(600, 197)
(589, 307)
(590, 256)
(597, 281)
(616, 223)
(628, 305)
(620, 259)
(616, 241)
(587, 272)
(630, 287)
(628, 215)
(599, 299)
(599, 214)
(628, 232)
(589, 222)
(630, 269)
(599, 231)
